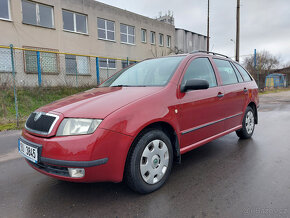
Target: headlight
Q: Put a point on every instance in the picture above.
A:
(71, 126)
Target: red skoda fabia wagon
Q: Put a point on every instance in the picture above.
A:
(138, 123)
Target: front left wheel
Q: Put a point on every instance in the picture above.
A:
(149, 163)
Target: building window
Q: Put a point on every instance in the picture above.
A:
(5, 9)
(125, 64)
(74, 22)
(161, 39)
(107, 63)
(5, 60)
(37, 14)
(106, 29)
(48, 61)
(143, 35)
(168, 41)
(127, 34)
(152, 37)
(77, 65)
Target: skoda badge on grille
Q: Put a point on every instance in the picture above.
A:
(37, 116)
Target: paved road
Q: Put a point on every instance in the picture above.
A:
(225, 178)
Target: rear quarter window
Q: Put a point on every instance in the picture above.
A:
(244, 73)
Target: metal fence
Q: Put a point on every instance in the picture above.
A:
(28, 68)
(37, 67)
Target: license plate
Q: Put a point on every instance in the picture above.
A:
(29, 152)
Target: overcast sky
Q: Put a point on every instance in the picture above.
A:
(265, 24)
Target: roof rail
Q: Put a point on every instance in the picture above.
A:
(208, 52)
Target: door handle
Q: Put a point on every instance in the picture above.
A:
(220, 95)
(245, 90)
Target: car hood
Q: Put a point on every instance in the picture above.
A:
(98, 102)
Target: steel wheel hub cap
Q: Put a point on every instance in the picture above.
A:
(250, 122)
(154, 161)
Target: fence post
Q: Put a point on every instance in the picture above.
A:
(255, 66)
(107, 69)
(77, 73)
(127, 62)
(14, 85)
(38, 68)
(98, 70)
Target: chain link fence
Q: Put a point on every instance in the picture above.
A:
(27, 71)
(48, 68)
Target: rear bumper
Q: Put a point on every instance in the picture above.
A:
(102, 154)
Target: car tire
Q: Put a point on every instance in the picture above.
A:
(248, 128)
(149, 162)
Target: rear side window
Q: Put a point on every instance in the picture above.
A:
(240, 78)
(244, 73)
(200, 68)
(226, 71)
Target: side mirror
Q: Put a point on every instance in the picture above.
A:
(194, 84)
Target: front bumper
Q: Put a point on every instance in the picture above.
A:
(102, 154)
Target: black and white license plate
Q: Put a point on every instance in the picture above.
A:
(29, 152)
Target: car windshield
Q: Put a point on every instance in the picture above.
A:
(152, 72)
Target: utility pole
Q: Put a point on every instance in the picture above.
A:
(238, 32)
(207, 45)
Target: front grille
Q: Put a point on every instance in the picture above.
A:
(60, 171)
(41, 123)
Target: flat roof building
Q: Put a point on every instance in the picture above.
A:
(187, 41)
(83, 26)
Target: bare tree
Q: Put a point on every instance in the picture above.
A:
(175, 50)
(265, 62)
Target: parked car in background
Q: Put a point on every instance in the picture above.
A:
(140, 121)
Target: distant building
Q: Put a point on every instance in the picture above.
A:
(187, 41)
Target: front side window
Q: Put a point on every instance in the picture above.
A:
(5, 60)
(153, 72)
(152, 37)
(143, 35)
(77, 64)
(168, 41)
(244, 73)
(48, 61)
(127, 34)
(226, 71)
(37, 14)
(107, 63)
(200, 68)
(106, 29)
(5, 9)
(74, 22)
(161, 39)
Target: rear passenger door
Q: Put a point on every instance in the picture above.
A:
(200, 111)
(234, 97)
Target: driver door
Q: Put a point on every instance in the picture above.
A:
(200, 111)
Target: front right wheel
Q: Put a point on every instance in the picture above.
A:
(150, 162)
(248, 124)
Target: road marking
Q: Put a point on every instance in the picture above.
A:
(10, 156)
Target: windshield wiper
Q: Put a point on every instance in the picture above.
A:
(128, 86)
(121, 86)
